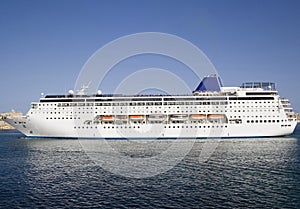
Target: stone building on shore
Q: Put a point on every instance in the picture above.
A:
(5, 126)
(298, 117)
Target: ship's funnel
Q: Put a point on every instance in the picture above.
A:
(210, 83)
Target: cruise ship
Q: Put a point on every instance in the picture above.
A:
(211, 111)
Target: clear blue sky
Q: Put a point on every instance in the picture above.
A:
(45, 43)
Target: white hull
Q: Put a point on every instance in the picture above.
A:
(183, 130)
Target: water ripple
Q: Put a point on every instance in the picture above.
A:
(252, 173)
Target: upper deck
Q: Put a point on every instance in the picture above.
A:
(266, 86)
(210, 88)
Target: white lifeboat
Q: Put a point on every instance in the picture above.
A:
(157, 117)
(179, 117)
(122, 117)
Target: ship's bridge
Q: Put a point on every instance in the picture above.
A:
(266, 86)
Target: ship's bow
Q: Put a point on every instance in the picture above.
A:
(18, 122)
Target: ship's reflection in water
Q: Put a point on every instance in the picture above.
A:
(261, 172)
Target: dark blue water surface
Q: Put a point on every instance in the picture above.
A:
(57, 173)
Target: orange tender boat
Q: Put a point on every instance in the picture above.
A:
(197, 117)
(215, 116)
(108, 117)
(136, 117)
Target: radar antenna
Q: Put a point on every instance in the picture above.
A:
(83, 89)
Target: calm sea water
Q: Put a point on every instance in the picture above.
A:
(252, 173)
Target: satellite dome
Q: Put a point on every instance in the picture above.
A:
(71, 92)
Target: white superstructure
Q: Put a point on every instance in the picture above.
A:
(252, 110)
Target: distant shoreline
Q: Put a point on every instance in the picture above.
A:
(5, 126)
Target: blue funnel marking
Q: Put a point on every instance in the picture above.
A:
(210, 83)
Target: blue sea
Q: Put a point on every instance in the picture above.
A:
(236, 173)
